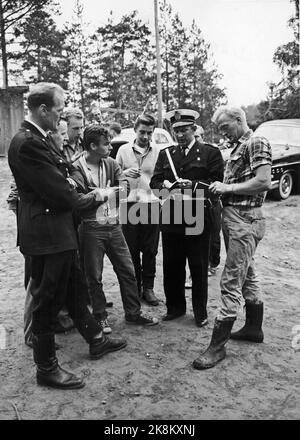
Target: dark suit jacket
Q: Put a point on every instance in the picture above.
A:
(203, 163)
(45, 223)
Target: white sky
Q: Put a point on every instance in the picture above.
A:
(243, 35)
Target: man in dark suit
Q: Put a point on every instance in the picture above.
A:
(47, 234)
(193, 166)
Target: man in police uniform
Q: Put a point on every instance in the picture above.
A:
(47, 234)
(196, 166)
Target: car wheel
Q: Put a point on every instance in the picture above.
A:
(285, 186)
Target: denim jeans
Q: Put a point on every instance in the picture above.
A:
(96, 240)
(243, 228)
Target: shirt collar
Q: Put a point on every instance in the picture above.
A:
(190, 145)
(133, 145)
(37, 127)
(245, 137)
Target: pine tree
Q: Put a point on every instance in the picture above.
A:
(12, 13)
(42, 54)
(126, 62)
(78, 52)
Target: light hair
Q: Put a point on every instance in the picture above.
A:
(43, 93)
(232, 112)
(72, 112)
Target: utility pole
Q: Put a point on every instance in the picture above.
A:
(158, 63)
(3, 47)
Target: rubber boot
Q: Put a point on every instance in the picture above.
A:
(216, 350)
(252, 330)
(49, 372)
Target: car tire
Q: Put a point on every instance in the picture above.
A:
(285, 186)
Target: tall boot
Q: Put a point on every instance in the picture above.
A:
(49, 372)
(252, 330)
(216, 350)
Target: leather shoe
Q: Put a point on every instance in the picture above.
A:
(149, 297)
(57, 377)
(101, 346)
(171, 316)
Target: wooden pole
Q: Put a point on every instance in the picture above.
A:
(158, 63)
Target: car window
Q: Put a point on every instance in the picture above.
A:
(280, 134)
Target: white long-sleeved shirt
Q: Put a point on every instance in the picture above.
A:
(129, 157)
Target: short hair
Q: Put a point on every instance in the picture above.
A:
(232, 112)
(43, 93)
(72, 112)
(92, 134)
(145, 119)
(116, 127)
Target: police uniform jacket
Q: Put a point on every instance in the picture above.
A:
(203, 163)
(47, 200)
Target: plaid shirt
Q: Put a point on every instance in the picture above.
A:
(249, 153)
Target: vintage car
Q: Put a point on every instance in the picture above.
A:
(161, 137)
(284, 137)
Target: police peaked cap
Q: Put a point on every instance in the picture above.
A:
(182, 117)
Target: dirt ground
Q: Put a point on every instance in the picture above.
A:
(153, 378)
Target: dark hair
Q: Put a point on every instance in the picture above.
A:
(145, 119)
(43, 93)
(116, 127)
(92, 134)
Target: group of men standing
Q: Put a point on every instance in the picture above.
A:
(52, 187)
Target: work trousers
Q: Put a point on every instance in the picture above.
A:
(243, 228)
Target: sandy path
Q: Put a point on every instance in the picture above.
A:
(153, 378)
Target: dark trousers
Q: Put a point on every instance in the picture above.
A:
(57, 279)
(142, 241)
(176, 249)
(215, 236)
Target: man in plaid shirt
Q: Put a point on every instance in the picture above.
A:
(247, 178)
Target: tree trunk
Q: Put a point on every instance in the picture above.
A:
(3, 48)
(82, 97)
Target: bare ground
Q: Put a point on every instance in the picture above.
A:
(153, 378)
